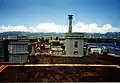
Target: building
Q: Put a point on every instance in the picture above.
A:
(17, 50)
(74, 42)
(4, 51)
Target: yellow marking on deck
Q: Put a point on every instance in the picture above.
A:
(94, 65)
(72, 65)
(69, 65)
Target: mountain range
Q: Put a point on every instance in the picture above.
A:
(53, 34)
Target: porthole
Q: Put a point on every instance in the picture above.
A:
(75, 52)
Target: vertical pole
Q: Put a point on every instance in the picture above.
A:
(70, 23)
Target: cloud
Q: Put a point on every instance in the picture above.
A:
(53, 27)
(13, 28)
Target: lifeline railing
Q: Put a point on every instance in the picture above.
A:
(2, 67)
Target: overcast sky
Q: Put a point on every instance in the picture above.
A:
(46, 15)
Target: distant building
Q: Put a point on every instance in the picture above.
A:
(17, 50)
(4, 51)
(13, 50)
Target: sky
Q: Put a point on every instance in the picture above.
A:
(52, 15)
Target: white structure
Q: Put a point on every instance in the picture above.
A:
(95, 50)
(74, 42)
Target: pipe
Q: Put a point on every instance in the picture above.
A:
(70, 23)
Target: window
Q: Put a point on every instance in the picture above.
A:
(76, 44)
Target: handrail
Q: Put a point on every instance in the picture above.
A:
(70, 65)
